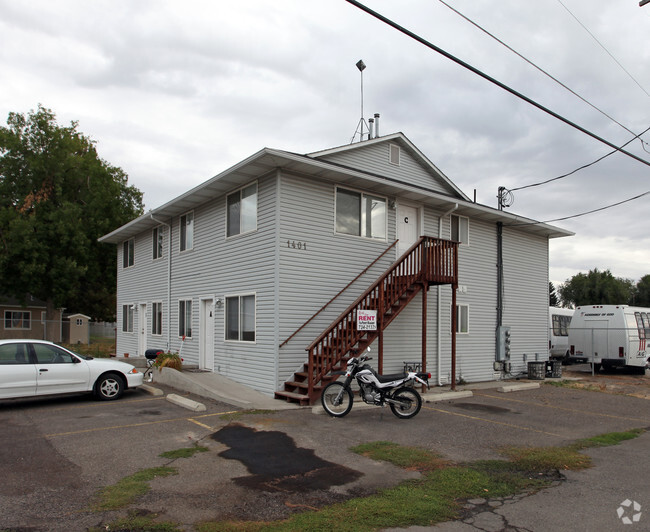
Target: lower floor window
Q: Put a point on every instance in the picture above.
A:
(156, 318)
(240, 318)
(185, 318)
(462, 318)
(127, 318)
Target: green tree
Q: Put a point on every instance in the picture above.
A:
(552, 296)
(596, 288)
(57, 197)
(642, 292)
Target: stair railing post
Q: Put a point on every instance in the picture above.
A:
(381, 309)
(310, 374)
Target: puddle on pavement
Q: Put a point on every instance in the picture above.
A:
(476, 407)
(275, 463)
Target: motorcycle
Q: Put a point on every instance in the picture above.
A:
(374, 389)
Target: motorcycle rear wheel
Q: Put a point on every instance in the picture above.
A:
(336, 399)
(410, 403)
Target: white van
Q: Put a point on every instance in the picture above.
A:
(610, 335)
(559, 320)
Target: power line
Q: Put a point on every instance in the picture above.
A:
(582, 213)
(581, 167)
(492, 80)
(540, 69)
(603, 47)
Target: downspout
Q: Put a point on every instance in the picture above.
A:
(169, 282)
(439, 326)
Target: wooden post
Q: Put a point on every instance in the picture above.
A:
(425, 289)
(453, 336)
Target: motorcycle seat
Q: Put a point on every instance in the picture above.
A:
(389, 378)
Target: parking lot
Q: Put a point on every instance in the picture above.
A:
(55, 454)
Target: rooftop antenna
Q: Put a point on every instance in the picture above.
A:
(362, 122)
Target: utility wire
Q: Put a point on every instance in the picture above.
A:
(581, 167)
(540, 69)
(491, 79)
(603, 47)
(582, 213)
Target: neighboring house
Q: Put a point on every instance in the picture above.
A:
(29, 319)
(229, 271)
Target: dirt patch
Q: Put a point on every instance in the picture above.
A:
(621, 381)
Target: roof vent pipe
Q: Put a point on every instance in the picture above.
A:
(371, 122)
(376, 125)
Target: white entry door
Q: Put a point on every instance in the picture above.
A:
(206, 335)
(408, 227)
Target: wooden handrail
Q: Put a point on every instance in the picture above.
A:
(429, 261)
(339, 293)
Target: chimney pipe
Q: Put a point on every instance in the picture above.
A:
(371, 123)
(376, 125)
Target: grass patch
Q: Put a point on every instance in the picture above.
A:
(136, 522)
(185, 452)
(433, 498)
(412, 458)
(127, 490)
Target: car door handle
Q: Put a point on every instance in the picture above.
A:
(43, 369)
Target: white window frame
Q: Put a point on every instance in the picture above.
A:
(182, 324)
(128, 253)
(128, 315)
(156, 318)
(463, 232)
(183, 244)
(394, 154)
(240, 309)
(11, 319)
(157, 237)
(460, 309)
(239, 192)
(362, 214)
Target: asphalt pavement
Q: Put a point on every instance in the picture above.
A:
(56, 454)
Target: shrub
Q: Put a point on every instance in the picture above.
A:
(169, 360)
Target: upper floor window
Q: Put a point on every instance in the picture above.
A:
(16, 319)
(360, 214)
(157, 237)
(187, 231)
(241, 209)
(460, 229)
(128, 253)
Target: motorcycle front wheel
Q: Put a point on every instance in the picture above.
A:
(336, 399)
(408, 403)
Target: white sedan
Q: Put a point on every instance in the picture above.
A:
(30, 368)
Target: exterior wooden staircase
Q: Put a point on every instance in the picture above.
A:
(430, 261)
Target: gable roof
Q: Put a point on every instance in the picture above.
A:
(401, 140)
(268, 161)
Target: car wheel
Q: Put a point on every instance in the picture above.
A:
(109, 387)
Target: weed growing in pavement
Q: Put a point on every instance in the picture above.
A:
(434, 497)
(127, 490)
(185, 452)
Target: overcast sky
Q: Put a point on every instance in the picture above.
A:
(176, 92)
